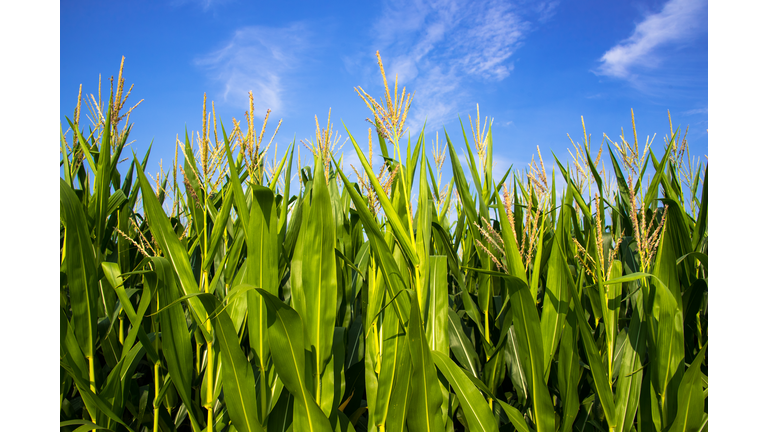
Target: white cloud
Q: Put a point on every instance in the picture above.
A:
(677, 22)
(696, 111)
(437, 48)
(204, 4)
(256, 58)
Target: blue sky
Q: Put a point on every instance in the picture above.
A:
(535, 67)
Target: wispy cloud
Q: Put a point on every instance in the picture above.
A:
(256, 58)
(696, 111)
(438, 48)
(678, 21)
(204, 4)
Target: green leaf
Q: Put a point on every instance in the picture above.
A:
(437, 305)
(86, 425)
(569, 370)
(599, 373)
(394, 379)
(484, 295)
(393, 279)
(261, 271)
(461, 347)
(112, 275)
(423, 237)
(476, 410)
(424, 411)
(690, 398)
(286, 338)
(403, 238)
(101, 183)
(239, 382)
(171, 246)
(515, 416)
(92, 399)
(528, 333)
(176, 339)
(319, 284)
(221, 218)
(700, 230)
(81, 270)
(666, 329)
(557, 295)
(629, 383)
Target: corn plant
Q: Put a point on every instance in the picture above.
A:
(214, 297)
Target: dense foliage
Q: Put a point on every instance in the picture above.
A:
(215, 297)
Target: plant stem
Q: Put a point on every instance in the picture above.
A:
(92, 380)
(120, 335)
(91, 374)
(156, 403)
(206, 288)
(209, 367)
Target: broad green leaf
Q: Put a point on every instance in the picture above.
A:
(70, 349)
(630, 380)
(610, 295)
(172, 249)
(690, 399)
(221, 217)
(437, 305)
(666, 327)
(81, 270)
(515, 416)
(393, 279)
(484, 295)
(403, 239)
(395, 372)
(599, 374)
(569, 370)
(176, 339)
(528, 334)
(424, 238)
(286, 338)
(702, 221)
(92, 399)
(261, 271)
(476, 410)
(281, 416)
(514, 365)
(239, 382)
(461, 347)
(424, 411)
(557, 294)
(101, 183)
(112, 276)
(319, 284)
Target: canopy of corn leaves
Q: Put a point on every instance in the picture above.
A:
(217, 296)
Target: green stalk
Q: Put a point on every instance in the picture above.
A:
(156, 403)
(407, 207)
(120, 336)
(487, 356)
(208, 325)
(198, 365)
(209, 372)
(91, 374)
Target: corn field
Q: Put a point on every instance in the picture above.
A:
(219, 296)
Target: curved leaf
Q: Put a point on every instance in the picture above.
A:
(476, 410)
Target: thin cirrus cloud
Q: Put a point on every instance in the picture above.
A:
(677, 22)
(256, 58)
(204, 4)
(439, 48)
